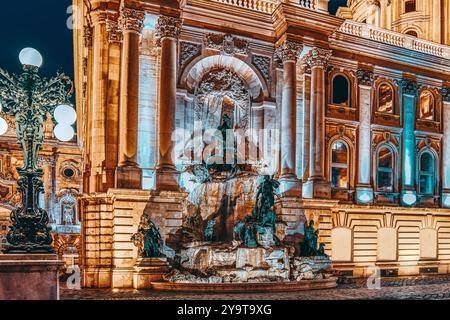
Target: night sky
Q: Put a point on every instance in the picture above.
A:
(43, 25)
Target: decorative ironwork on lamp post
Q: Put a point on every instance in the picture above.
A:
(29, 98)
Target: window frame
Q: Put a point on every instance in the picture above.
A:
(405, 6)
(377, 92)
(340, 165)
(349, 90)
(431, 173)
(392, 170)
(419, 106)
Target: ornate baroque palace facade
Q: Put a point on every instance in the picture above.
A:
(359, 102)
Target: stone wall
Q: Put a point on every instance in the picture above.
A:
(109, 221)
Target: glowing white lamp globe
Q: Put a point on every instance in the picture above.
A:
(3, 126)
(64, 132)
(30, 57)
(65, 114)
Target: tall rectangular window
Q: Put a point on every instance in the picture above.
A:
(410, 6)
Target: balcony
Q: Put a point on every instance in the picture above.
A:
(368, 31)
(267, 6)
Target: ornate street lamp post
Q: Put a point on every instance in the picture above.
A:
(29, 98)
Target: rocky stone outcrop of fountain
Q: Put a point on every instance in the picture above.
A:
(232, 236)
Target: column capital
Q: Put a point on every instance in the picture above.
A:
(445, 94)
(365, 77)
(410, 87)
(99, 16)
(167, 27)
(373, 3)
(305, 68)
(131, 20)
(288, 51)
(318, 57)
(113, 30)
(87, 35)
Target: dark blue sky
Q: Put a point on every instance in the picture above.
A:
(42, 24)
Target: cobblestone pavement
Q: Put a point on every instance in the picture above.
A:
(416, 288)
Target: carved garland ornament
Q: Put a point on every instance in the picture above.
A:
(188, 51)
(262, 63)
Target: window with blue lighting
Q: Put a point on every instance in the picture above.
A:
(385, 169)
(426, 174)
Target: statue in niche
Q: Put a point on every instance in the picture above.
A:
(68, 210)
(148, 239)
(309, 246)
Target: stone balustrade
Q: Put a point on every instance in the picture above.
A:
(309, 4)
(394, 38)
(267, 6)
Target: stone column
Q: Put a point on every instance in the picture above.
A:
(167, 31)
(317, 186)
(87, 108)
(364, 189)
(306, 118)
(99, 94)
(374, 12)
(113, 96)
(128, 173)
(288, 53)
(408, 192)
(446, 148)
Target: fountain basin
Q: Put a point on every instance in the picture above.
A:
(279, 286)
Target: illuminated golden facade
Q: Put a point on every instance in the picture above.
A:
(361, 102)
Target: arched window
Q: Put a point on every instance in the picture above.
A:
(385, 98)
(426, 173)
(410, 6)
(412, 33)
(341, 90)
(385, 169)
(339, 165)
(426, 106)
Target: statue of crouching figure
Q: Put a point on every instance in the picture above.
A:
(148, 239)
